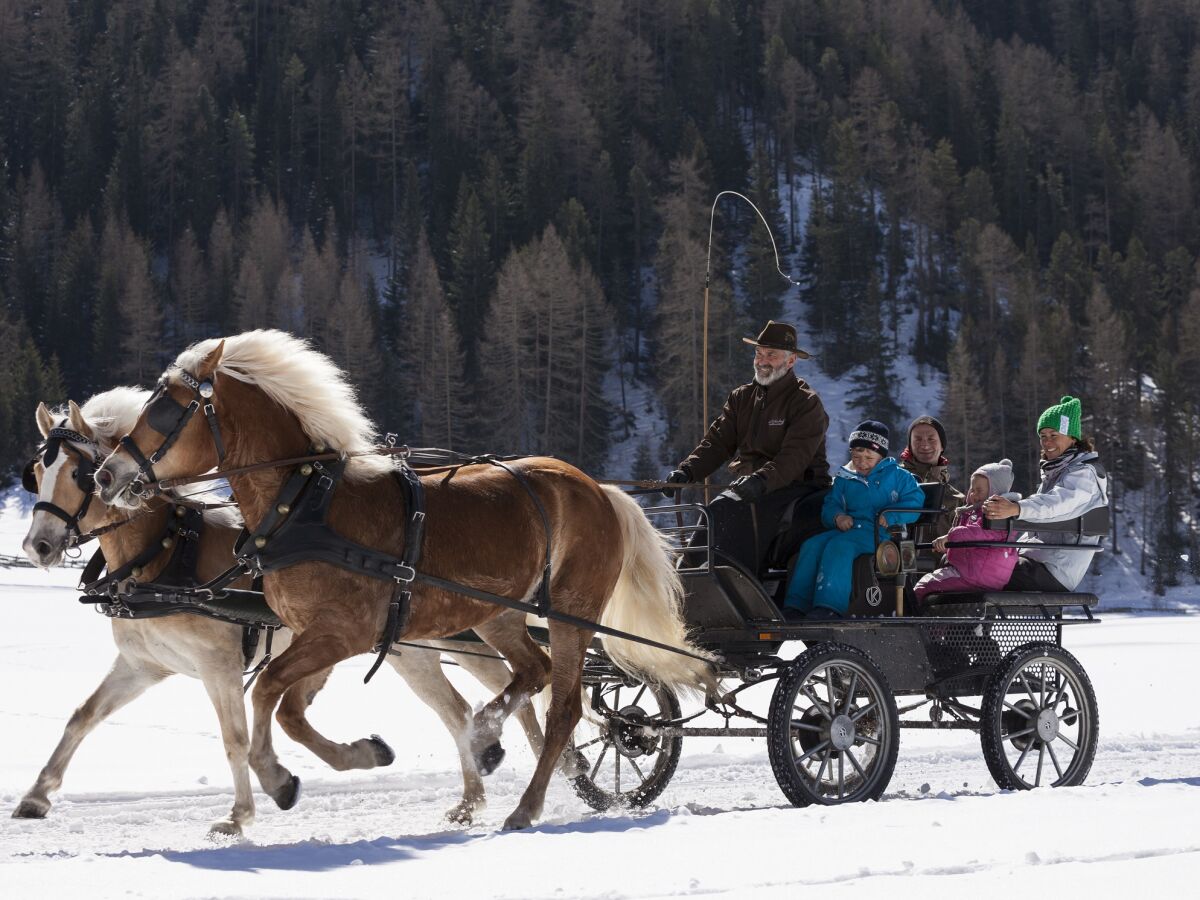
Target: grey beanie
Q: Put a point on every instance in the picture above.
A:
(999, 475)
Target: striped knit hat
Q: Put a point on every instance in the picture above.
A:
(1063, 418)
(871, 434)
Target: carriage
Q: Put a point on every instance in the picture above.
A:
(990, 662)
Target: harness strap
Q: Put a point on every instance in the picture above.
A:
(248, 653)
(400, 605)
(543, 591)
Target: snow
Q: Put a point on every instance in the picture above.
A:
(140, 794)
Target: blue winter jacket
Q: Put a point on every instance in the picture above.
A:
(863, 496)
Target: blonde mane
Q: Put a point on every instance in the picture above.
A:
(303, 381)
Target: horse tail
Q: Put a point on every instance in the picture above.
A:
(647, 601)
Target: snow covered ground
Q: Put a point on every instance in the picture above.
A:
(137, 801)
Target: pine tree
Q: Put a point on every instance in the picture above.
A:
(963, 405)
(471, 274)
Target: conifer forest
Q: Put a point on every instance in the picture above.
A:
(495, 213)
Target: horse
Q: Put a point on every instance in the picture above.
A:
(268, 397)
(151, 649)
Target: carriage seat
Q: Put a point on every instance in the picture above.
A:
(1093, 523)
(973, 604)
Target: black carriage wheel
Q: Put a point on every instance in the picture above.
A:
(1040, 723)
(833, 731)
(622, 761)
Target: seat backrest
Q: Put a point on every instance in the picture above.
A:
(935, 493)
(1093, 523)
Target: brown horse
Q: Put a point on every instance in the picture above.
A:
(152, 649)
(273, 398)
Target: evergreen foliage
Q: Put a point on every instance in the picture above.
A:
(520, 190)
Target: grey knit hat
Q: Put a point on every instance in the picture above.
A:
(999, 475)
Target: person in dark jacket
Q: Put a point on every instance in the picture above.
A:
(772, 432)
(925, 458)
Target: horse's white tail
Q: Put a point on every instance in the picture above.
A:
(647, 601)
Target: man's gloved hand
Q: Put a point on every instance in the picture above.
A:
(749, 487)
(679, 476)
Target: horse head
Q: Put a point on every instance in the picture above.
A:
(61, 475)
(171, 436)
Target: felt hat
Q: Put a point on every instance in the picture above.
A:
(777, 336)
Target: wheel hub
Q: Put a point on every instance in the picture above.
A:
(841, 733)
(1047, 725)
(630, 736)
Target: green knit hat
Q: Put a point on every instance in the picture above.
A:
(1063, 418)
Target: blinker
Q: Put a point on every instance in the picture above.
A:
(29, 478)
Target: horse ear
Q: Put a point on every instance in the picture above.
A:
(209, 364)
(78, 422)
(44, 420)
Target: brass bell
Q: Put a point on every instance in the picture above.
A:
(306, 469)
(180, 511)
(136, 572)
(260, 541)
(318, 448)
(283, 509)
(168, 543)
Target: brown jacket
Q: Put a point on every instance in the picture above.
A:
(951, 497)
(777, 432)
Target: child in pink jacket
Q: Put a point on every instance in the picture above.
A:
(974, 568)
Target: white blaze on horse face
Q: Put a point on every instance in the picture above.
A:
(47, 536)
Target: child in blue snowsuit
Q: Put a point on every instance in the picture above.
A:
(871, 481)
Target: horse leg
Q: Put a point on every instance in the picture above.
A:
(508, 635)
(421, 668)
(365, 753)
(224, 686)
(494, 675)
(123, 683)
(567, 647)
(310, 652)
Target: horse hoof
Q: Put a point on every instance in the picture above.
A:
(288, 795)
(31, 809)
(517, 821)
(574, 764)
(489, 760)
(463, 814)
(384, 755)
(224, 828)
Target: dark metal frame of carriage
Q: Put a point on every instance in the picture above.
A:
(992, 663)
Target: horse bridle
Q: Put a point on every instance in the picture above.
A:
(82, 476)
(168, 417)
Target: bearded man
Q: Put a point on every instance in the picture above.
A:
(773, 432)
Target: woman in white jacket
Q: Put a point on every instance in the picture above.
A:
(1073, 482)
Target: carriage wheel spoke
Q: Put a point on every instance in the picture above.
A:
(599, 759)
(811, 695)
(1054, 759)
(1016, 734)
(817, 749)
(841, 775)
(1021, 758)
(638, 695)
(804, 726)
(1043, 676)
(850, 693)
(1018, 710)
(821, 770)
(854, 762)
(618, 775)
(1070, 743)
(1037, 780)
(1071, 719)
(638, 770)
(868, 740)
(862, 712)
(589, 743)
(1028, 689)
